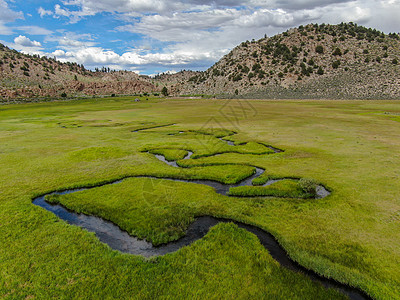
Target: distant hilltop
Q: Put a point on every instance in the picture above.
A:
(314, 61)
(343, 61)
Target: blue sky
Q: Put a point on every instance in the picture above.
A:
(152, 36)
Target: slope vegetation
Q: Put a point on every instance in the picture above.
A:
(313, 61)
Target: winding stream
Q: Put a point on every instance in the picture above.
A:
(120, 240)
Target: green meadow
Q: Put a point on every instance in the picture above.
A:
(352, 236)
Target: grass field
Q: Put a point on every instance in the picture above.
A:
(351, 147)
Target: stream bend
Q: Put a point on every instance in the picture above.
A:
(120, 240)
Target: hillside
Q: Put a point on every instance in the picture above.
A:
(313, 61)
(27, 76)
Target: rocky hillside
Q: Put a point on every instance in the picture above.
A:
(26, 76)
(313, 61)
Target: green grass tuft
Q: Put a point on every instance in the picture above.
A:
(286, 188)
(170, 154)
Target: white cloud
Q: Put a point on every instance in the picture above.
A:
(4, 30)
(96, 56)
(128, 6)
(71, 41)
(74, 16)
(43, 12)
(34, 30)
(201, 38)
(295, 5)
(357, 14)
(26, 42)
(7, 15)
(275, 18)
(25, 45)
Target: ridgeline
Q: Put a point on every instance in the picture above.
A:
(344, 61)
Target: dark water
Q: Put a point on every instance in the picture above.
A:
(152, 127)
(230, 143)
(223, 189)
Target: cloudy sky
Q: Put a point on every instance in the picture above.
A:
(151, 36)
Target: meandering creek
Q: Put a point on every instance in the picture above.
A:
(120, 240)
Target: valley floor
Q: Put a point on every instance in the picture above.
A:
(350, 147)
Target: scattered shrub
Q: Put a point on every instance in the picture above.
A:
(237, 77)
(337, 52)
(245, 69)
(309, 186)
(336, 64)
(164, 91)
(285, 188)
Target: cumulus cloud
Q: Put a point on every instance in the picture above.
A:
(26, 42)
(296, 5)
(97, 56)
(25, 45)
